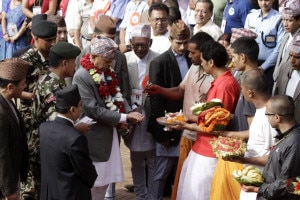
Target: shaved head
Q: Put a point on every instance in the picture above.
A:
(255, 80)
(282, 105)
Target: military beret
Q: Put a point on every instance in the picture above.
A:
(13, 69)
(179, 30)
(65, 50)
(37, 18)
(44, 29)
(58, 20)
(106, 25)
(67, 97)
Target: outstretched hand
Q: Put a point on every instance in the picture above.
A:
(82, 127)
(178, 125)
(152, 89)
(135, 117)
(249, 188)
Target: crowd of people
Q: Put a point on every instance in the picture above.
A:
(77, 77)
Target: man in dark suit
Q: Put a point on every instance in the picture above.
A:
(67, 170)
(167, 70)
(288, 82)
(13, 145)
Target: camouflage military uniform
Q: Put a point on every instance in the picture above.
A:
(38, 67)
(46, 89)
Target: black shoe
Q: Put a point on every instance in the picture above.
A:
(129, 187)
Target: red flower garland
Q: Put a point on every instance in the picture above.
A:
(108, 89)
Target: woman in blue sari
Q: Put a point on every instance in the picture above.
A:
(13, 28)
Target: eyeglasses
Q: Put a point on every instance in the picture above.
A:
(162, 20)
(143, 45)
(269, 114)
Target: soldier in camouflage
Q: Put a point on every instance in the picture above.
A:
(37, 56)
(61, 65)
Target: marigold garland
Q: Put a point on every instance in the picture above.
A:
(296, 185)
(215, 118)
(108, 85)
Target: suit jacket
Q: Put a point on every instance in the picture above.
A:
(13, 149)
(120, 67)
(140, 140)
(100, 135)
(286, 55)
(67, 170)
(281, 84)
(133, 67)
(164, 71)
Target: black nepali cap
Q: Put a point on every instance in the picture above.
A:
(67, 97)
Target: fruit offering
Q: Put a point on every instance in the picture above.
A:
(226, 147)
(198, 108)
(293, 185)
(249, 176)
(171, 117)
